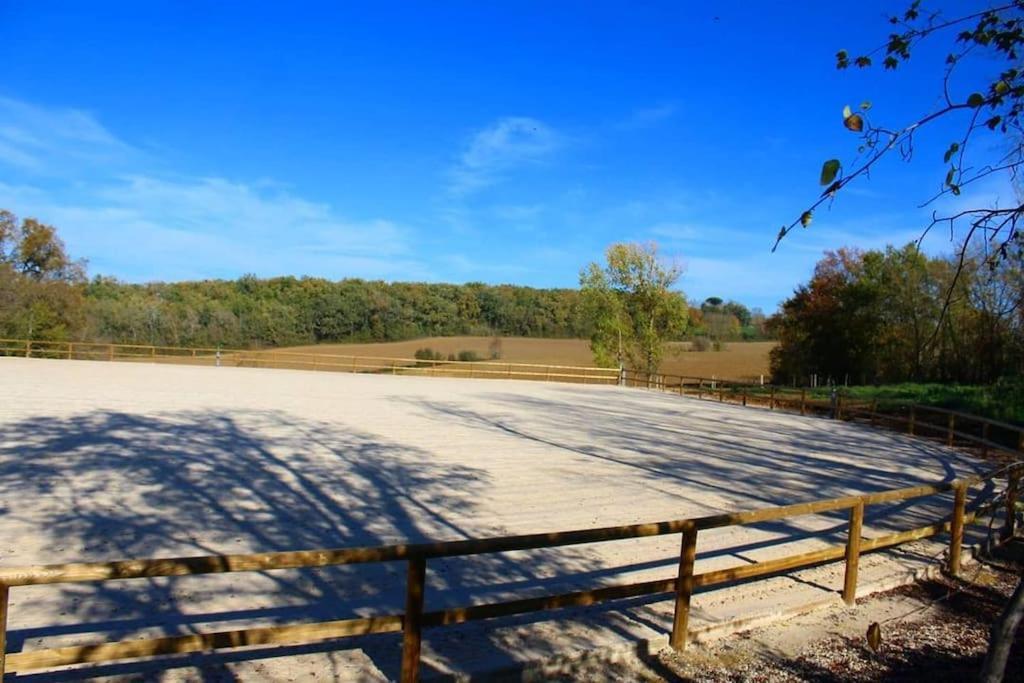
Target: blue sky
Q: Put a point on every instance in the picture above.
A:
(495, 142)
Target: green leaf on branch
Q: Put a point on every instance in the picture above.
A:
(865, 105)
(829, 171)
(993, 122)
(862, 62)
(950, 152)
(805, 218)
(842, 59)
(975, 100)
(949, 176)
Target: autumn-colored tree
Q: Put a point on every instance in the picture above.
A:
(40, 285)
(987, 108)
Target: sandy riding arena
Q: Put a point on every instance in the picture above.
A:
(102, 461)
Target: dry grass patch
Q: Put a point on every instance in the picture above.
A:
(739, 360)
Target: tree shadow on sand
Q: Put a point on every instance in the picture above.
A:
(112, 485)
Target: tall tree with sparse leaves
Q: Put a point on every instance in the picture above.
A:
(633, 307)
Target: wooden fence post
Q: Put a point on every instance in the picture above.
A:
(28, 349)
(803, 401)
(910, 422)
(700, 394)
(1012, 484)
(771, 398)
(721, 395)
(853, 553)
(4, 595)
(71, 350)
(839, 407)
(110, 352)
(684, 587)
(874, 411)
(744, 397)
(984, 438)
(952, 425)
(412, 622)
(956, 528)
(680, 386)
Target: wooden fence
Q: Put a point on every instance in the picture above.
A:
(953, 427)
(414, 619)
(297, 360)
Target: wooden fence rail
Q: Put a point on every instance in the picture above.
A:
(415, 619)
(298, 360)
(954, 426)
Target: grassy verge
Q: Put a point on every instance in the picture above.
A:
(1001, 401)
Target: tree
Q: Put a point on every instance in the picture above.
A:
(632, 305)
(988, 111)
(40, 285)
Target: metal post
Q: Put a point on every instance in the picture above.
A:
(412, 622)
(803, 401)
(684, 587)
(853, 553)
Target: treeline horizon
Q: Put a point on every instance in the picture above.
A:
(46, 295)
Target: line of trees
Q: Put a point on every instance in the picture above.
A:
(869, 317)
(45, 294)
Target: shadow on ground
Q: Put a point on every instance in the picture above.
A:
(111, 485)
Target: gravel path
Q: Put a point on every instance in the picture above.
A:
(111, 460)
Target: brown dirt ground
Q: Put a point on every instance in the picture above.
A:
(739, 360)
(934, 630)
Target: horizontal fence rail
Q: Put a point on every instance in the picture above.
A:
(298, 360)
(953, 427)
(415, 618)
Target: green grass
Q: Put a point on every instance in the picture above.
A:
(1001, 401)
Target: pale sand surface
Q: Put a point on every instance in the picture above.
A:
(113, 460)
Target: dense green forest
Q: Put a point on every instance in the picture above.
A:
(45, 294)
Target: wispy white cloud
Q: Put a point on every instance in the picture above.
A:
(506, 144)
(54, 141)
(135, 223)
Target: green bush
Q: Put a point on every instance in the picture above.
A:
(469, 356)
(427, 354)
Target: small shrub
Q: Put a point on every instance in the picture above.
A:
(451, 356)
(427, 354)
(700, 344)
(469, 356)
